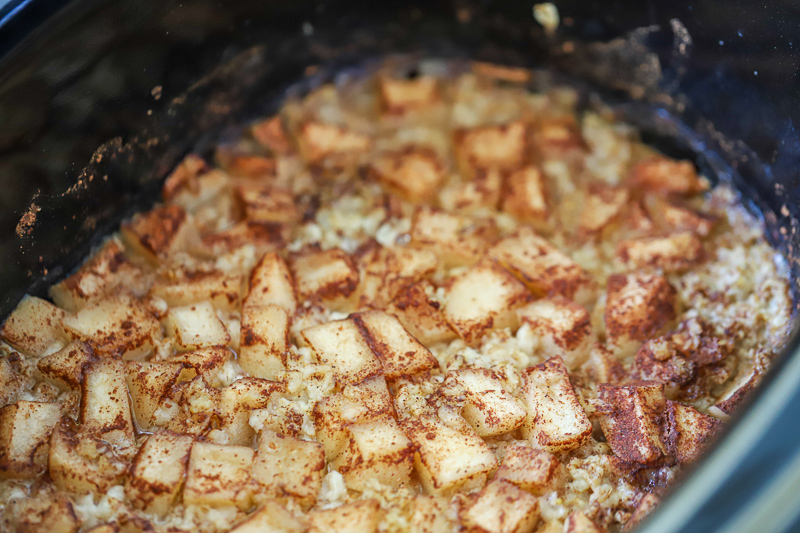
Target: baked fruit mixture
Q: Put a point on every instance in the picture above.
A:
(425, 301)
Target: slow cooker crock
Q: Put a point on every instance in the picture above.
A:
(100, 99)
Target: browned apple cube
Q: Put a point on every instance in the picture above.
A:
(224, 291)
(118, 325)
(690, 431)
(236, 162)
(632, 418)
(324, 276)
(601, 206)
(681, 218)
(480, 193)
(457, 240)
(377, 451)
(342, 345)
(271, 283)
(108, 269)
(66, 367)
(218, 475)
(160, 233)
(264, 236)
(267, 203)
(533, 470)
(525, 195)
(286, 465)
(450, 455)
(362, 516)
(34, 326)
(646, 505)
(401, 355)
(148, 383)
(272, 517)
(206, 362)
(541, 266)
(674, 253)
(106, 404)
(578, 522)
(399, 96)
(502, 147)
(657, 360)
(481, 298)
(80, 462)
(235, 403)
(556, 420)
(264, 341)
(386, 271)
(157, 473)
(196, 326)
(413, 173)
(562, 327)
(25, 429)
(421, 315)
(490, 409)
(47, 511)
(638, 306)
(189, 407)
(664, 175)
(557, 135)
(501, 507)
(430, 515)
(318, 142)
(271, 134)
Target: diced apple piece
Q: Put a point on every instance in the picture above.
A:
(319, 142)
(148, 384)
(271, 283)
(400, 96)
(657, 360)
(264, 236)
(664, 175)
(557, 135)
(264, 341)
(272, 517)
(271, 134)
(267, 203)
(503, 147)
(376, 451)
(362, 516)
(342, 345)
(638, 307)
(684, 219)
(286, 465)
(673, 253)
(157, 473)
(530, 469)
(631, 421)
(193, 183)
(690, 431)
(603, 204)
(736, 395)
(602, 366)
(81, 463)
(556, 420)
(105, 403)
(25, 429)
(366, 401)
(385, 272)
(324, 276)
(196, 326)
(501, 507)
(483, 191)
(235, 403)
(46, 512)
(562, 327)
(450, 455)
(490, 409)
(33, 326)
(541, 266)
(457, 240)
(525, 196)
(413, 173)
(206, 362)
(160, 233)
(578, 522)
(66, 367)
(481, 298)
(237, 162)
(222, 290)
(647, 504)
(430, 515)
(421, 315)
(117, 325)
(399, 352)
(218, 475)
(189, 407)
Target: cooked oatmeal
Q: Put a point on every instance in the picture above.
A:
(421, 303)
